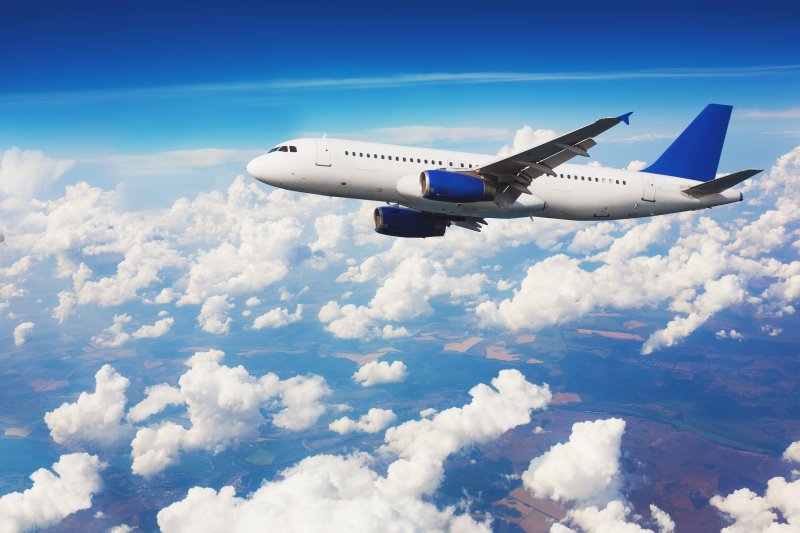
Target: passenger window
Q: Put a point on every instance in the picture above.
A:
(346, 152)
(470, 165)
(451, 163)
(382, 157)
(624, 182)
(440, 163)
(361, 154)
(426, 161)
(367, 155)
(617, 182)
(418, 161)
(582, 178)
(404, 160)
(595, 179)
(293, 148)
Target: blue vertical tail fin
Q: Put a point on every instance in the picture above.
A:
(695, 153)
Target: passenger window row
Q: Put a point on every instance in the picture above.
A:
(598, 180)
(409, 159)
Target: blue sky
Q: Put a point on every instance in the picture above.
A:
(89, 79)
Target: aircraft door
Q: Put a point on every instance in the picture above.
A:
(323, 152)
(649, 193)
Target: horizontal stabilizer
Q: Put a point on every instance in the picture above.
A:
(720, 184)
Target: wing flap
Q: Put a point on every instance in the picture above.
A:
(721, 184)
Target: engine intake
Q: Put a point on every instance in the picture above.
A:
(402, 222)
(454, 187)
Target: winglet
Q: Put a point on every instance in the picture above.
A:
(626, 118)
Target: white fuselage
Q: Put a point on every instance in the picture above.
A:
(390, 173)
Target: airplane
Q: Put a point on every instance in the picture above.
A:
(428, 190)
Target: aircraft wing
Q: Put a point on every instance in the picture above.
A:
(518, 170)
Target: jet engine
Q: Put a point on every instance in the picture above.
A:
(402, 222)
(454, 187)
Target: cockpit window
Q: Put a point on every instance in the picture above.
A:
(283, 149)
(293, 148)
(274, 150)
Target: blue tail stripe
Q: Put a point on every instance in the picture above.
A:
(695, 153)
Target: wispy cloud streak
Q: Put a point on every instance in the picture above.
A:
(390, 81)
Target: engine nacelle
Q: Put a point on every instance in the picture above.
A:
(402, 222)
(454, 187)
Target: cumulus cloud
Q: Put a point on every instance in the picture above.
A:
(54, 495)
(376, 372)
(403, 295)
(732, 334)
(213, 316)
(321, 493)
(22, 333)
(585, 469)
(152, 331)
(422, 445)
(24, 173)
(615, 517)
(585, 473)
(224, 406)
(375, 420)
(114, 335)
(96, 417)
(327, 492)
(527, 137)
(777, 510)
(792, 453)
(156, 399)
(278, 318)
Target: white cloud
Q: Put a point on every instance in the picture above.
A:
(791, 112)
(403, 295)
(152, 331)
(751, 513)
(54, 495)
(156, 399)
(24, 173)
(301, 397)
(333, 493)
(585, 469)
(422, 445)
(257, 257)
(252, 301)
(718, 295)
(113, 335)
(278, 318)
(792, 453)
(224, 406)
(612, 518)
(732, 334)
(96, 417)
(213, 316)
(321, 493)
(375, 420)
(636, 165)
(173, 162)
(22, 333)
(526, 137)
(377, 372)
(391, 332)
(665, 522)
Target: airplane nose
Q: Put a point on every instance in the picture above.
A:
(252, 167)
